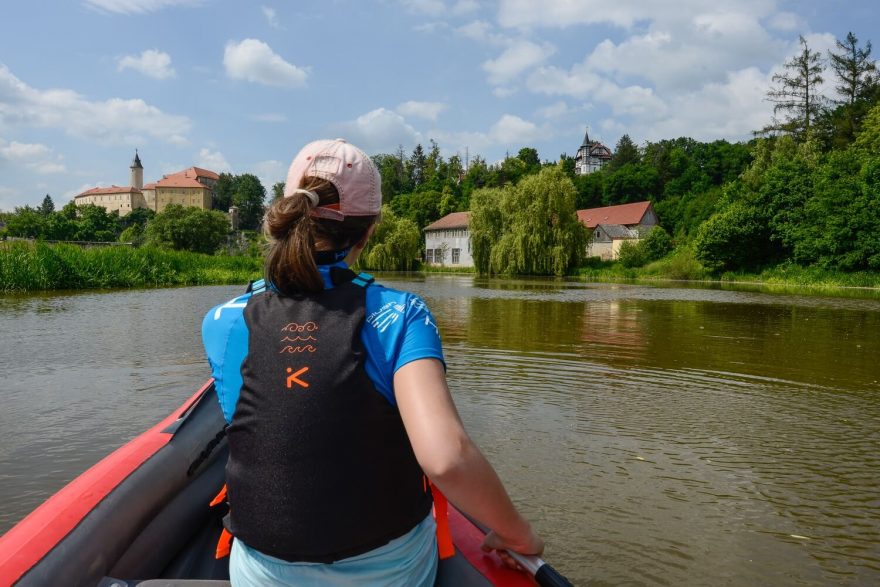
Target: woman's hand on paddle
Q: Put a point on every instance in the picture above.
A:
(531, 546)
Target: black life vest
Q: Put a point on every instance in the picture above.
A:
(320, 467)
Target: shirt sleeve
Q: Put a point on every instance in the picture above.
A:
(399, 329)
(224, 335)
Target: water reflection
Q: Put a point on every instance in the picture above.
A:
(656, 435)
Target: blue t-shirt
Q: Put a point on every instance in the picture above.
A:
(398, 329)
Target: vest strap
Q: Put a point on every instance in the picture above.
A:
(441, 515)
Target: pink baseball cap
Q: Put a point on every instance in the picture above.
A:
(348, 168)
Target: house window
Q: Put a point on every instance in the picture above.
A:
(429, 255)
(456, 255)
(438, 256)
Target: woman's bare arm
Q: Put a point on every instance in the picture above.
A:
(452, 461)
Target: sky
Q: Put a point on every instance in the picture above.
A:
(239, 87)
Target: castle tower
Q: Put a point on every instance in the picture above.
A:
(137, 172)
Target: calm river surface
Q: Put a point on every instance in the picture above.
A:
(655, 436)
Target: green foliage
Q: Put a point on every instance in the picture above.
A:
(249, 196)
(797, 93)
(655, 245)
(631, 254)
(48, 206)
(735, 238)
(624, 152)
(188, 229)
(530, 228)
(394, 246)
(32, 267)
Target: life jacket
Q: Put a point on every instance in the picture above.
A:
(320, 467)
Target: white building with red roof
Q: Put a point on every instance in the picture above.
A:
(448, 241)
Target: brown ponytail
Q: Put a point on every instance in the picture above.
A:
(294, 236)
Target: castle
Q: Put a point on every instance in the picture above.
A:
(191, 187)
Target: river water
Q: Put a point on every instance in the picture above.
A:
(655, 436)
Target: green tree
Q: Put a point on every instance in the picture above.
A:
(416, 166)
(95, 224)
(249, 197)
(278, 190)
(624, 152)
(857, 80)
(529, 157)
(539, 230)
(189, 229)
(48, 206)
(797, 93)
(394, 246)
(26, 222)
(224, 192)
(736, 238)
(486, 225)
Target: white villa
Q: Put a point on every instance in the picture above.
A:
(448, 241)
(591, 156)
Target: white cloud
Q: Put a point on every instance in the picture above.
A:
(254, 61)
(787, 21)
(270, 172)
(271, 17)
(482, 31)
(379, 131)
(152, 63)
(33, 156)
(115, 120)
(137, 6)
(22, 151)
(426, 110)
(518, 57)
(213, 160)
(465, 7)
(509, 131)
(554, 110)
(622, 13)
(512, 130)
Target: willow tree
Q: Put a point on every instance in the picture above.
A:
(531, 228)
(394, 246)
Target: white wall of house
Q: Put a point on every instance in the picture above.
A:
(451, 247)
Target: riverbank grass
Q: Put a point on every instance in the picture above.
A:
(39, 266)
(682, 266)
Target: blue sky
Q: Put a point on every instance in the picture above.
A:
(240, 86)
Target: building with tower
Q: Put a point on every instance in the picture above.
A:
(193, 187)
(591, 156)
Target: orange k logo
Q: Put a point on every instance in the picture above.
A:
(294, 377)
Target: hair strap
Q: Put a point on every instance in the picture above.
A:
(312, 196)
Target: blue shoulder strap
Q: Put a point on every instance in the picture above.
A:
(363, 279)
(256, 287)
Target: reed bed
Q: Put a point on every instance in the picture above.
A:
(26, 266)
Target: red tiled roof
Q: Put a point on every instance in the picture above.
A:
(626, 214)
(113, 189)
(453, 220)
(180, 181)
(194, 172)
(150, 186)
